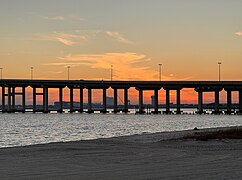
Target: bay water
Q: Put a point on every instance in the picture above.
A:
(28, 129)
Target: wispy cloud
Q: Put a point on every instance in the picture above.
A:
(77, 18)
(68, 39)
(79, 36)
(56, 18)
(238, 33)
(62, 18)
(118, 37)
(54, 72)
(66, 35)
(126, 66)
(65, 64)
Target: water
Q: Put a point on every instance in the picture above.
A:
(28, 129)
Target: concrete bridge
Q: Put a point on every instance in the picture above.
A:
(9, 91)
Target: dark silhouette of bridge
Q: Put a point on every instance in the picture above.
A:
(9, 91)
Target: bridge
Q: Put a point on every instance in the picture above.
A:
(9, 86)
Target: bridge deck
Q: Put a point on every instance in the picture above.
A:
(120, 84)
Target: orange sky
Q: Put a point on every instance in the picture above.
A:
(187, 37)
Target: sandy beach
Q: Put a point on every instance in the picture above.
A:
(147, 156)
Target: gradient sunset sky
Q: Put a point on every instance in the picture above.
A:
(188, 37)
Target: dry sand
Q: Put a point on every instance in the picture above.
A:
(147, 156)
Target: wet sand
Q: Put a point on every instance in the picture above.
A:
(147, 156)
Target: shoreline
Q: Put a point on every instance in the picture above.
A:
(142, 138)
(165, 155)
(146, 136)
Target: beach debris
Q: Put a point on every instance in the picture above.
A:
(231, 133)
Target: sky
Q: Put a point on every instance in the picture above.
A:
(187, 37)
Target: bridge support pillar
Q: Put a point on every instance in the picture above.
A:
(178, 101)
(104, 110)
(200, 102)
(141, 111)
(216, 104)
(126, 108)
(156, 111)
(45, 100)
(229, 102)
(3, 99)
(81, 100)
(23, 100)
(89, 110)
(13, 100)
(167, 102)
(115, 100)
(34, 99)
(240, 102)
(60, 110)
(71, 100)
(9, 99)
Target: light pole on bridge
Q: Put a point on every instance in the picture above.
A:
(160, 66)
(68, 72)
(219, 71)
(111, 73)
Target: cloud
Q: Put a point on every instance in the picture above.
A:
(238, 33)
(65, 64)
(64, 38)
(79, 36)
(66, 41)
(126, 66)
(69, 39)
(74, 36)
(118, 37)
(77, 18)
(54, 72)
(62, 18)
(57, 18)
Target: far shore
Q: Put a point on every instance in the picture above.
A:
(214, 153)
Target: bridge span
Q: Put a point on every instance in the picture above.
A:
(9, 93)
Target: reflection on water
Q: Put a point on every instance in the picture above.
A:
(26, 129)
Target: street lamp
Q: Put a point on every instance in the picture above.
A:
(68, 72)
(32, 73)
(1, 73)
(160, 66)
(219, 71)
(111, 72)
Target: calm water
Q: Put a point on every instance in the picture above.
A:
(26, 129)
